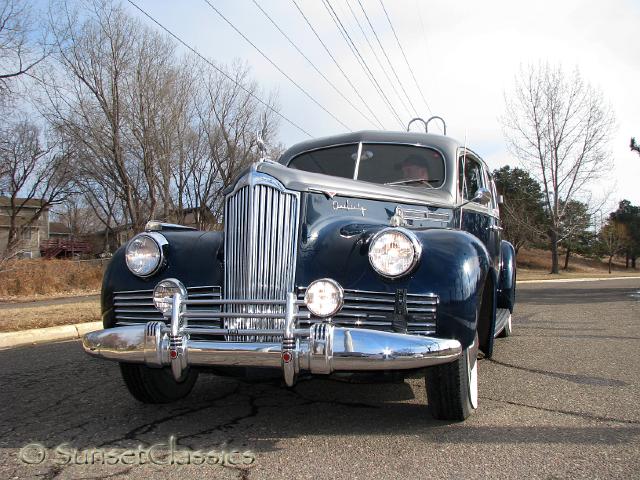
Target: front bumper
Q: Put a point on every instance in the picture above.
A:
(320, 349)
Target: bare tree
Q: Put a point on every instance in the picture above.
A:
(229, 118)
(558, 126)
(156, 134)
(89, 103)
(23, 42)
(37, 173)
(613, 237)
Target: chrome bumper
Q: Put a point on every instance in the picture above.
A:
(320, 349)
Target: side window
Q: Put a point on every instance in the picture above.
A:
(472, 177)
(461, 186)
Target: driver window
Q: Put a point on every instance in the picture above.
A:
(472, 178)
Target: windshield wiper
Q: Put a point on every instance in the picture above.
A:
(425, 181)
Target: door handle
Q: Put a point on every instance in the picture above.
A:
(495, 227)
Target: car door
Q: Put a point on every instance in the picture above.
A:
(477, 219)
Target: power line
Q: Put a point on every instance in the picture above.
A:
(405, 57)
(359, 58)
(386, 56)
(384, 70)
(293, 44)
(338, 65)
(219, 70)
(264, 55)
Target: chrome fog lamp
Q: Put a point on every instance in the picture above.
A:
(324, 297)
(394, 252)
(164, 292)
(144, 254)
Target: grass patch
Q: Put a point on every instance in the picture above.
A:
(46, 278)
(545, 275)
(25, 317)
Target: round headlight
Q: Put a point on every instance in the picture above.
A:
(324, 297)
(164, 292)
(394, 252)
(144, 254)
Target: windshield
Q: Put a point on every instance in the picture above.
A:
(391, 164)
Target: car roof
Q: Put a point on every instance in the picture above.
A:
(443, 143)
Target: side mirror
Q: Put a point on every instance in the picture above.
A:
(500, 199)
(482, 196)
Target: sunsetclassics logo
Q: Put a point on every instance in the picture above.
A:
(169, 453)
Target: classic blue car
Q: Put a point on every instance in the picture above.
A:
(370, 251)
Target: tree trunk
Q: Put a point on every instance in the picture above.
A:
(566, 258)
(553, 238)
(633, 262)
(626, 260)
(610, 260)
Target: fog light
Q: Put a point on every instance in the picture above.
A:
(164, 292)
(324, 297)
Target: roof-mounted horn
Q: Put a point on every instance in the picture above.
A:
(426, 124)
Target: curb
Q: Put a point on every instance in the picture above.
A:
(49, 334)
(569, 280)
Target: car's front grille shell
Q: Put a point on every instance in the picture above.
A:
(261, 225)
(374, 310)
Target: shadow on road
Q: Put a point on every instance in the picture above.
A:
(54, 394)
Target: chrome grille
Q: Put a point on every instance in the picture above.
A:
(374, 310)
(132, 307)
(261, 227)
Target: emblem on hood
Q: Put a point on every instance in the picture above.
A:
(348, 206)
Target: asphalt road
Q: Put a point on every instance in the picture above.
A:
(559, 400)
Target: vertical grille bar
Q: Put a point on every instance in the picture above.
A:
(260, 250)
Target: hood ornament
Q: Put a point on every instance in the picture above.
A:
(397, 219)
(263, 155)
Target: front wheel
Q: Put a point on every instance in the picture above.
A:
(156, 385)
(452, 388)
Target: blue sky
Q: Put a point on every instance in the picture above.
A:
(464, 54)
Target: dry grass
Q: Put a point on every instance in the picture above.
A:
(37, 278)
(24, 317)
(535, 264)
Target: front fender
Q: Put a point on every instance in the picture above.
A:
(195, 258)
(507, 281)
(454, 266)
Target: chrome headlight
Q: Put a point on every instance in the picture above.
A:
(144, 254)
(324, 297)
(164, 292)
(394, 252)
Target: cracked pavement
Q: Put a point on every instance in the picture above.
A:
(558, 400)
